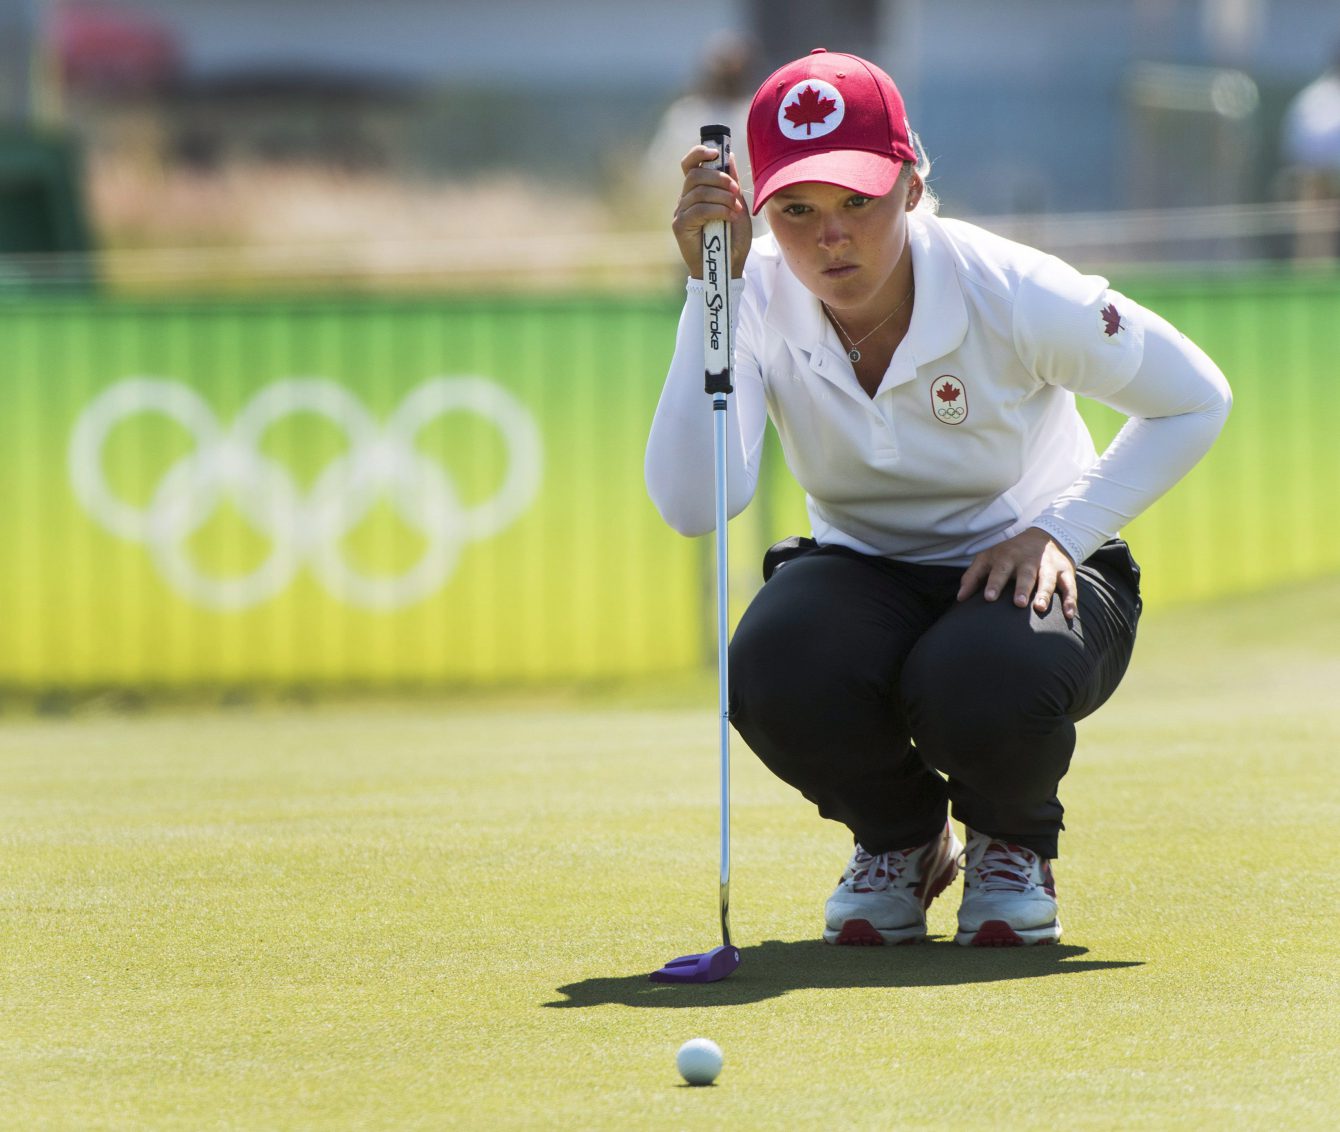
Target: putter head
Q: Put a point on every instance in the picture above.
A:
(708, 967)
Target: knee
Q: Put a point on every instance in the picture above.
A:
(986, 686)
(782, 668)
(773, 668)
(984, 717)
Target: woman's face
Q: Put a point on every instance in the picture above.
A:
(843, 246)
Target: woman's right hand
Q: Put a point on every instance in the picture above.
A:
(710, 194)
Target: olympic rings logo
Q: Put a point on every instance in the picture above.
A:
(306, 528)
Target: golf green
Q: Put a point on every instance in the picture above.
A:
(443, 915)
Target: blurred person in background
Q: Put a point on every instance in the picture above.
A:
(963, 598)
(723, 88)
(1311, 146)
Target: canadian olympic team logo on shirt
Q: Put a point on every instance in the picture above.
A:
(949, 399)
(811, 109)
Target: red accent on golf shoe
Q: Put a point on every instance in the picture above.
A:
(859, 933)
(938, 885)
(997, 933)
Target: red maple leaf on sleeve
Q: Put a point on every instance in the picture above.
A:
(947, 392)
(1111, 320)
(810, 108)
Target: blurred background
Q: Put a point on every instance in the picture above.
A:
(416, 141)
(331, 331)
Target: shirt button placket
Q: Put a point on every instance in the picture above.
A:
(883, 442)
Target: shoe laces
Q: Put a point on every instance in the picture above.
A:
(876, 872)
(996, 866)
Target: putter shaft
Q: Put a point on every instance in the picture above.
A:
(723, 629)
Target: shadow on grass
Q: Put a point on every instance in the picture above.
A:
(775, 967)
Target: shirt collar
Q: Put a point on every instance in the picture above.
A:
(794, 312)
(940, 314)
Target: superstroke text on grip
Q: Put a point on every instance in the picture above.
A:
(716, 301)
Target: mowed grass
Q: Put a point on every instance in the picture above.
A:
(410, 916)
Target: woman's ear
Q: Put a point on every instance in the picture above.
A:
(915, 185)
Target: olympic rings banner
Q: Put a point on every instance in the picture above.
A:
(342, 492)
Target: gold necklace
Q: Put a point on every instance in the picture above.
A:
(853, 353)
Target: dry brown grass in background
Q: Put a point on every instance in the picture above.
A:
(137, 204)
(265, 223)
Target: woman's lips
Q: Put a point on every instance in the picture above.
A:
(839, 270)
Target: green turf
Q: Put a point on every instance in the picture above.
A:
(443, 916)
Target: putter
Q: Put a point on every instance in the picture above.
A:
(709, 966)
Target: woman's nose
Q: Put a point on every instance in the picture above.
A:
(832, 235)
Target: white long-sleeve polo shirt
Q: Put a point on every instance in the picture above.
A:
(972, 435)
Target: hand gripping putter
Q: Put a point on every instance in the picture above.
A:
(720, 961)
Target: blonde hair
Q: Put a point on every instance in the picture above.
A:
(929, 204)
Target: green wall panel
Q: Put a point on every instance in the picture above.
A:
(163, 576)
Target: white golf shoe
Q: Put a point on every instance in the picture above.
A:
(1009, 896)
(883, 897)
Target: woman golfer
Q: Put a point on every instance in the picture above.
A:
(963, 599)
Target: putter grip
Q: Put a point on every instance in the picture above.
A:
(716, 279)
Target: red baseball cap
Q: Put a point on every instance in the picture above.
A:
(828, 117)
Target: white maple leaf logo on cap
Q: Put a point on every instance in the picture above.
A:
(811, 109)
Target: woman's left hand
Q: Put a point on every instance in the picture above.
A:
(1038, 565)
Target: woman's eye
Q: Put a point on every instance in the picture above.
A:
(795, 210)
(858, 202)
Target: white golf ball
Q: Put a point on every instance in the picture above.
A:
(699, 1061)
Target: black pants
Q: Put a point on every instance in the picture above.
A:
(862, 682)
